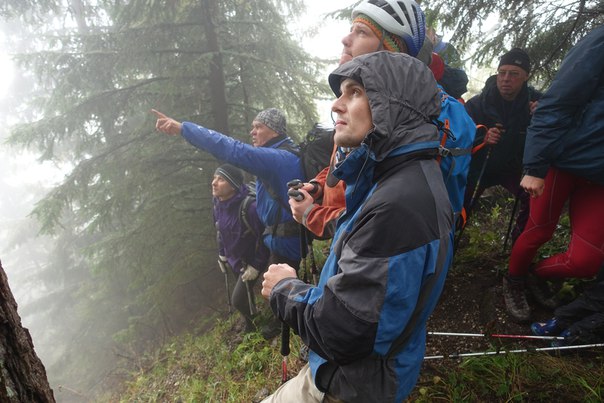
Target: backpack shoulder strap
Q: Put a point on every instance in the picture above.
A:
(243, 213)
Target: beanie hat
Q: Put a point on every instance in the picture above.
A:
(231, 174)
(516, 57)
(392, 43)
(274, 119)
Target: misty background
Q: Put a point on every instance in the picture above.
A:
(105, 224)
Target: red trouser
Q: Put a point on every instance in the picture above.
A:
(585, 253)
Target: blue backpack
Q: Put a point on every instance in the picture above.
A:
(457, 131)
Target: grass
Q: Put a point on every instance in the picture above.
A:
(531, 377)
(218, 366)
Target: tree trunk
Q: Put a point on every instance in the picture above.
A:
(217, 80)
(22, 374)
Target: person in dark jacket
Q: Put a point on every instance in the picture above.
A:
(505, 107)
(580, 321)
(272, 159)
(563, 162)
(392, 245)
(239, 233)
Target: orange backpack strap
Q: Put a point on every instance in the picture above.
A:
(463, 215)
(484, 141)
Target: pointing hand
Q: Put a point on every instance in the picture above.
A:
(166, 125)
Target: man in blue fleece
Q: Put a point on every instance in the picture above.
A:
(272, 158)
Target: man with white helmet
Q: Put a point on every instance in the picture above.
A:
(376, 25)
(397, 26)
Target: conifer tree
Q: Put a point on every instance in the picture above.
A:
(135, 257)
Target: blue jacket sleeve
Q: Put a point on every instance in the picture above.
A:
(572, 89)
(264, 162)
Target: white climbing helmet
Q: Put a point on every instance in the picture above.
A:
(403, 18)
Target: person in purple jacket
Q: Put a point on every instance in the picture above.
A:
(239, 233)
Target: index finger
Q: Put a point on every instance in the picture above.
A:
(158, 114)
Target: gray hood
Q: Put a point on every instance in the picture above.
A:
(403, 98)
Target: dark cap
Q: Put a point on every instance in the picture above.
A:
(231, 174)
(516, 57)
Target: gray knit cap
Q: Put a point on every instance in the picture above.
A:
(274, 119)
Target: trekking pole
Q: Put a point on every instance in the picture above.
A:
(527, 350)
(470, 202)
(484, 166)
(224, 269)
(499, 336)
(508, 232)
(295, 194)
(250, 298)
(305, 236)
(313, 264)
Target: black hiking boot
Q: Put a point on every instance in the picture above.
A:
(249, 326)
(541, 292)
(515, 299)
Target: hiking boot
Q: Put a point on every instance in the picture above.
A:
(549, 328)
(515, 299)
(569, 338)
(249, 326)
(271, 329)
(541, 292)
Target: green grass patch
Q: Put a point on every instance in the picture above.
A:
(219, 366)
(535, 377)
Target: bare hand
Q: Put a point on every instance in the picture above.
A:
(274, 274)
(533, 185)
(313, 189)
(299, 207)
(533, 106)
(166, 125)
(493, 136)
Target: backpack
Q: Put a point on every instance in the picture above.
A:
(316, 149)
(457, 131)
(244, 207)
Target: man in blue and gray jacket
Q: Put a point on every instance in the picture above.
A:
(365, 322)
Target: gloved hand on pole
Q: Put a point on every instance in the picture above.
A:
(223, 264)
(250, 273)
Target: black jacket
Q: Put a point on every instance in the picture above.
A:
(489, 108)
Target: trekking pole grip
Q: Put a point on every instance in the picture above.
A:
(284, 350)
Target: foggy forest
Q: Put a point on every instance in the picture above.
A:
(106, 227)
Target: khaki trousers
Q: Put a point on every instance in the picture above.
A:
(300, 389)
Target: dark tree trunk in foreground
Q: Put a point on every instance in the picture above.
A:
(22, 375)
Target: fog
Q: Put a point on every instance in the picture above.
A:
(25, 180)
